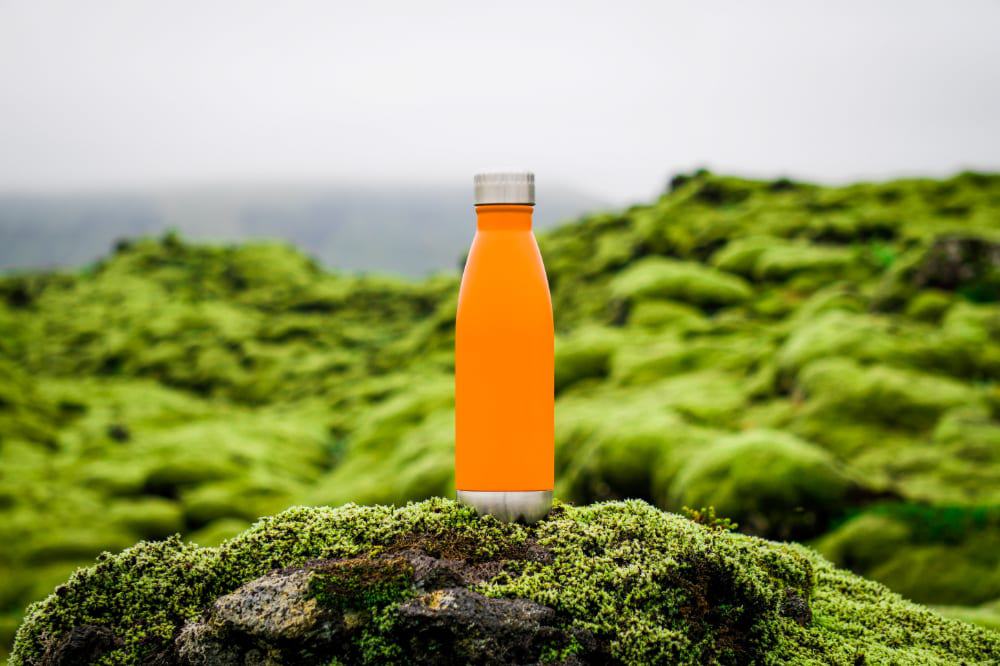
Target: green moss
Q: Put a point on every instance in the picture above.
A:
(987, 615)
(361, 584)
(183, 468)
(687, 282)
(421, 465)
(838, 333)
(8, 625)
(864, 541)
(643, 361)
(667, 314)
(150, 517)
(880, 393)
(770, 481)
(708, 397)
(597, 459)
(740, 255)
(781, 262)
(218, 531)
(691, 594)
(945, 573)
(585, 355)
(929, 306)
(926, 553)
(75, 543)
(234, 499)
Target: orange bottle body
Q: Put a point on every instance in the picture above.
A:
(504, 359)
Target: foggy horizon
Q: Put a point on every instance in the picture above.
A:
(608, 101)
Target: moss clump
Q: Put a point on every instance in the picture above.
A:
(642, 586)
(667, 315)
(687, 282)
(777, 484)
(584, 355)
(782, 262)
(647, 360)
(361, 583)
(604, 461)
(987, 615)
(926, 553)
(929, 305)
(884, 394)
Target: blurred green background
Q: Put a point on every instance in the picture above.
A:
(818, 363)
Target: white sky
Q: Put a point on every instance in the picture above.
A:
(610, 97)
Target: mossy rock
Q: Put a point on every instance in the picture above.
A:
(986, 615)
(769, 481)
(929, 306)
(688, 282)
(925, 552)
(656, 315)
(969, 264)
(615, 583)
(864, 542)
(781, 262)
(645, 361)
(8, 626)
(707, 397)
(78, 542)
(838, 333)
(185, 469)
(597, 459)
(892, 396)
(149, 517)
(740, 255)
(232, 499)
(422, 465)
(943, 573)
(584, 355)
(218, 531)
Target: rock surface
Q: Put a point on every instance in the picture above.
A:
(322, 610)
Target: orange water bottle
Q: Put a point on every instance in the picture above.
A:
(504, 359)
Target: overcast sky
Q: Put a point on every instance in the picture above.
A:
(611, 97)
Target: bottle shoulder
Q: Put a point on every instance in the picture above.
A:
(504, 283)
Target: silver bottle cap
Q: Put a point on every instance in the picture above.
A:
(505, 187)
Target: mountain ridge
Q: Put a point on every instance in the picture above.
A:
(403, 229)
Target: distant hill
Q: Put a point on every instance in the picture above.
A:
(407, 230)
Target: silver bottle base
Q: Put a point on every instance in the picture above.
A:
(528, 505)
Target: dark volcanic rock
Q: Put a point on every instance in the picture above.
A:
(797, 608)
(318, 612)
(81, 645)
(465, 627)
(956, 262)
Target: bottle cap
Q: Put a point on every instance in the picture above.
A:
(505, 187)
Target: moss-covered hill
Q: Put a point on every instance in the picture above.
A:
(432, 583)
(818, 363)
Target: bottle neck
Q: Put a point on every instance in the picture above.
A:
(510, 217)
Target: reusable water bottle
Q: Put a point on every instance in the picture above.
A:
(504, 359)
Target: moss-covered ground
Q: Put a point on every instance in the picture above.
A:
(642, 585)
(818, 363)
